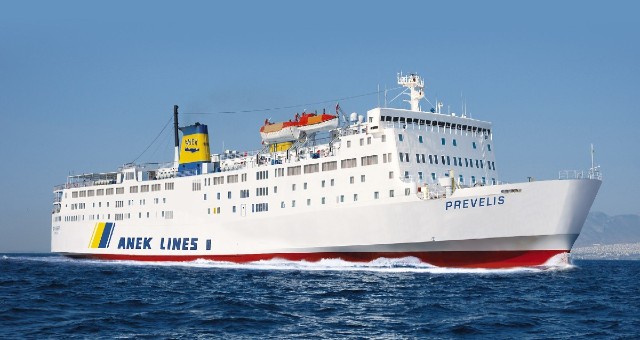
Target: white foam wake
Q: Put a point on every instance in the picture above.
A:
(384, 265)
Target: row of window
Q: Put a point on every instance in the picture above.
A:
(261, 207)
(167, 214)
(120, 190)
(455, 126)
(119, 204)
(443, 141)
(446, 160)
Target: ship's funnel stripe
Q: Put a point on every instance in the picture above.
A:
(102, 235)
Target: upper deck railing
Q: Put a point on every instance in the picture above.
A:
(593, 173)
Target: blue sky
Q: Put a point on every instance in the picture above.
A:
(86, 86)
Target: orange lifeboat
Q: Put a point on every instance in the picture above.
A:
(291, 130)
(310, 123)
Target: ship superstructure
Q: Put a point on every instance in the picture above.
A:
(393, 183)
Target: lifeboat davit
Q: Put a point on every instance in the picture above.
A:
(291, 130)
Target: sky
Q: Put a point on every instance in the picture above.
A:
(86, 86)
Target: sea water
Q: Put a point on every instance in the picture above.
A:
(50, 296)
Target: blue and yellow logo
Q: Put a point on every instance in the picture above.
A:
(102, 235)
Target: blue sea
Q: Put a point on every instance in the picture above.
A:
(49, 296)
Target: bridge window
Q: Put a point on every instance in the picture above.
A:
(443, 141)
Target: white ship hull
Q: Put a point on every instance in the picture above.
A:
(475, 227)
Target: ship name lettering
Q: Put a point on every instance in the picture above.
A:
(134, 243)
(474, 202)
(179, 243)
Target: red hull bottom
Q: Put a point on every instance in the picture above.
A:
(456, 259)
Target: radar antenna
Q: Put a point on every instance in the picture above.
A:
(414, 83)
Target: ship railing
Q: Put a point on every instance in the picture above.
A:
(352, 130)
(430, 192)
(593, 173)
(570, 174)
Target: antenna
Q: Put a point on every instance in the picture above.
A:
(592, 157)
(385, 95)
(465, 107)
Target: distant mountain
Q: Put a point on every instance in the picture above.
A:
(602, 229)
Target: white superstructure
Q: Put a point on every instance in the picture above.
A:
(396, 183)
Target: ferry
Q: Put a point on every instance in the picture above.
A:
(393, 183)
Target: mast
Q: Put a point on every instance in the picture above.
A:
(414, 83)
(176, 154)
